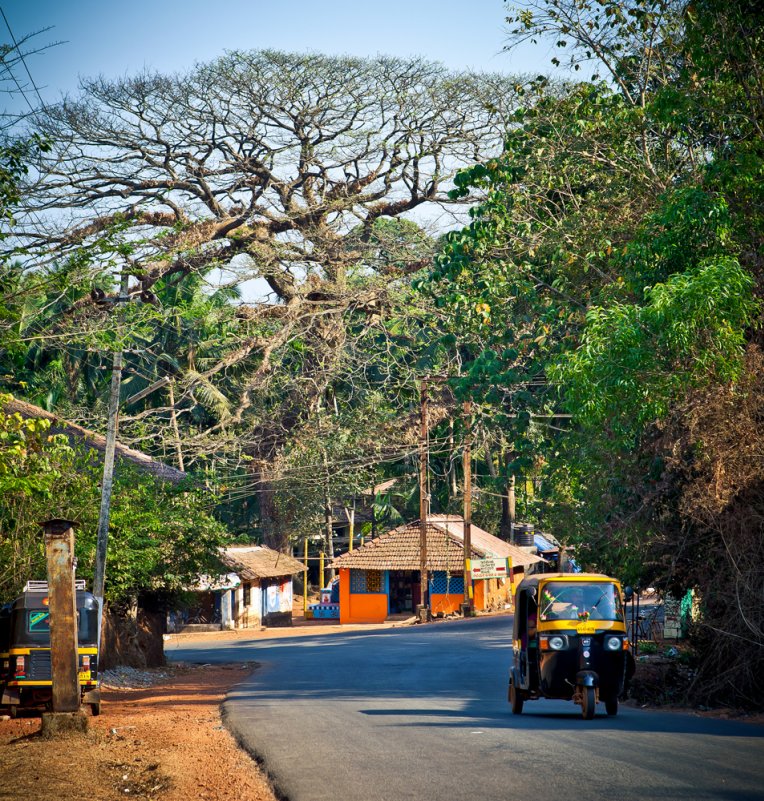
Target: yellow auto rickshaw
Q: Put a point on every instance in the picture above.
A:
(26, 679)
(570, 641)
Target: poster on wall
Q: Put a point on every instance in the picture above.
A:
(272, 599)
(286, 597)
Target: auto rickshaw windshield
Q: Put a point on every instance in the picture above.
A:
(562, 600)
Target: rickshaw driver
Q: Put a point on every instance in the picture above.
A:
(590, 602)
(576, 606)
(581, 603)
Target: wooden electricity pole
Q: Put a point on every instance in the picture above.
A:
(467, 608)
(305, 580)
(424, 506)
(351, 525)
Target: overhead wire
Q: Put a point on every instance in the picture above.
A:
(23, 61)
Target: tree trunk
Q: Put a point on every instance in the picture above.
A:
(132, 637)
(508, 502)
(328, 522)
(271, 531)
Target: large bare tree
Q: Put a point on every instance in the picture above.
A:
(271, 166)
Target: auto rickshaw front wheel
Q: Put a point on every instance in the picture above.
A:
(611, 705)
(515, 699)
(588, 702)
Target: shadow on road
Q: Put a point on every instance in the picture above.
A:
(407, 667)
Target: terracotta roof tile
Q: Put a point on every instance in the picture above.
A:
(399, 549)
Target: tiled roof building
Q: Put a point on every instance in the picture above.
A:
(382, 576)
(399, 549)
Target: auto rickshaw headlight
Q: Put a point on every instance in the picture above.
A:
(554, 643)
(613, 643)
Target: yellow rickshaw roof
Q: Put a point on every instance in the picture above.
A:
(573, 578)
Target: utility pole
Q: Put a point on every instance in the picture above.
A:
(424, 507)
(373, 513)
(328, 521)
(351, 525)
(305, 580)
(467, 606)
(175, 429)
(99, 579)
(511, 506)
(59, 551)
(62, 606)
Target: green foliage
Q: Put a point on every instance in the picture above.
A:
(634, 362)
(161, 536)
(610, 270)
(14, 157)
(29, 456)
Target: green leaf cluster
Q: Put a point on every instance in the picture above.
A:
(161, 536)
(610, 270)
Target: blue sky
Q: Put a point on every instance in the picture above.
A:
(117, 38)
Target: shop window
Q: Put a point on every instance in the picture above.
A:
(442, 583)
(366, 581)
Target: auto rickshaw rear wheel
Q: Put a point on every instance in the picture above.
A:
(515, 699)
(13, 711)
(95, 709)
(589, 700)
(611, 705)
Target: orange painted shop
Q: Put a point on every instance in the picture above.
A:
(381, 578)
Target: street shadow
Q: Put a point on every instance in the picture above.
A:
(426, 663)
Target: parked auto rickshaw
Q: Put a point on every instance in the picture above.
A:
(26, 680)
(5, 641)
(570, 641)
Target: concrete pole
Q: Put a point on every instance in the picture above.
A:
(328, 522)
(226, 614)
(99, 577)
(511, 503)
(64, 660)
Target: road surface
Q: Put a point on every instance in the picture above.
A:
(421, 713)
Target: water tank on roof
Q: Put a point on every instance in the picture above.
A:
(523, 534)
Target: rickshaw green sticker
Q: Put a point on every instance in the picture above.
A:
(36, 618)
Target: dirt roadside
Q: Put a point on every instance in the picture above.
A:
(162, 742)
(165, 742)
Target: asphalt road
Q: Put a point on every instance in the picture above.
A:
(421, 713)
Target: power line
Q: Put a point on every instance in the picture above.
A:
(26, 68)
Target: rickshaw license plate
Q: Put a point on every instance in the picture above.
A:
(84, 675)
(586, 628)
